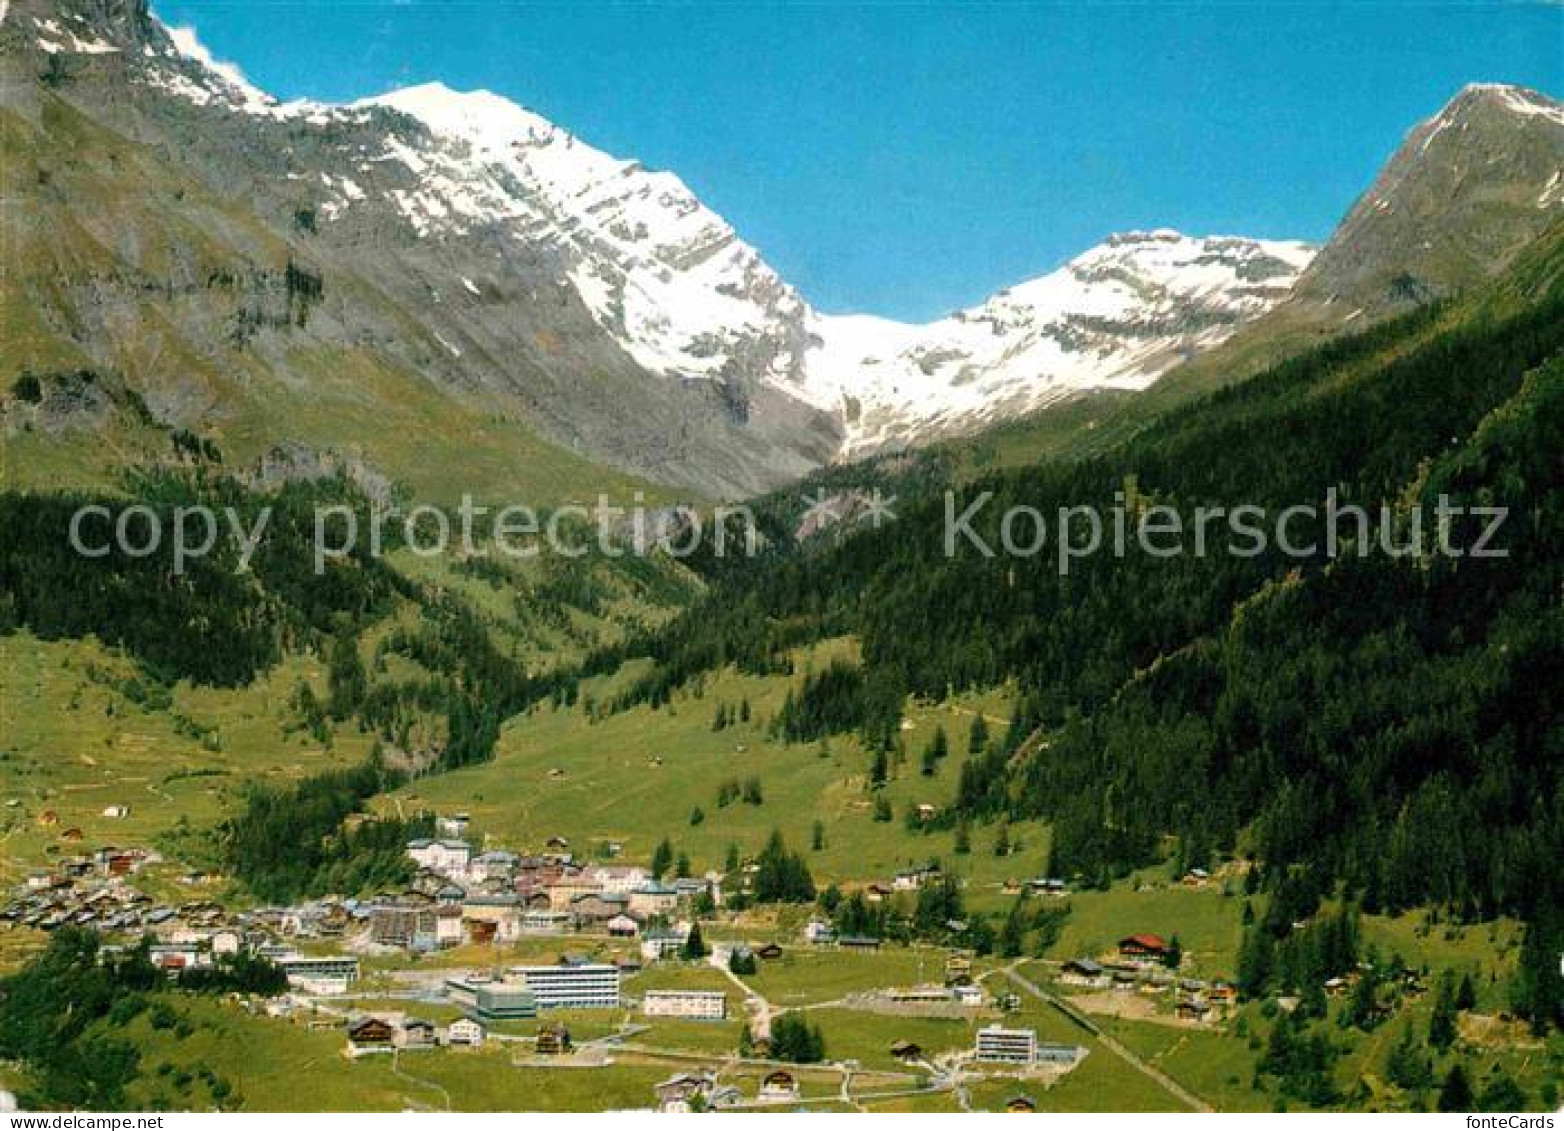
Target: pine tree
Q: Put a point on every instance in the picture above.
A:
(782, 876)
(817, 836)
(1537, 991)
(694, 948)
(1466, 996)
(346, 679)
(963, 844)
(935, 751)
(794, 1039)
(1456, 1094)
(1442, 1022)
(1502, 1093)
(977, 737)
(1362, 1009)
(662, 858)
(1407, 1066)
(1012, 935)
(1255, 961)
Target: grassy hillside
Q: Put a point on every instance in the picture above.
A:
(76, 190)
(86, 730)
(87, 726)
(636, 776)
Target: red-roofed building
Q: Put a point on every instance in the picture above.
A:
(1143, 946)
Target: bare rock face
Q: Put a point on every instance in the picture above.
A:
(1465, 192)
(299, 463)
(230, 253)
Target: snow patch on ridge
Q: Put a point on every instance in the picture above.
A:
(188, 45)
(673, 283)
(1115, 317)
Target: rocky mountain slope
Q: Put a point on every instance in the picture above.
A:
(346, 278)
(1465, 192)
(430, 244)
(300, 273)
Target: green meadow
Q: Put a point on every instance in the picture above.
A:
(85, 730)
(640, 775)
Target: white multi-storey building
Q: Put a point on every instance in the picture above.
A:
(449, 857)
(618, 878)
(319, 974)
(585, 985)
(999, 1045)
(702, 1005)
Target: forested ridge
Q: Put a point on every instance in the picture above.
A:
(1389, 724)
(212, 622)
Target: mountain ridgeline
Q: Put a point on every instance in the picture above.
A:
(442, 264)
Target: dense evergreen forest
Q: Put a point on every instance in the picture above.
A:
(1388, 724)
(297, 840)
(212, 622)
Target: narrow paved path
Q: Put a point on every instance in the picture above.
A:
(1109, 1042)
(762, 1009)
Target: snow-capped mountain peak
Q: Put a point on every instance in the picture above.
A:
(1116, 316)
(668, 277)
(494, 190)
(686, 298)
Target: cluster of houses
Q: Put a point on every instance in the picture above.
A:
(1051, 887)
(696, 1091)
(381, 1032)
(87, 890)
(97, 892)
(700, 1091)
(817, 932)
(958, 989)
(460, 896)
(1140, 964)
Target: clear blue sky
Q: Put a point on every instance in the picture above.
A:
(909, 158)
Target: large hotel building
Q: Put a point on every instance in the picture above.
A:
(572, 985)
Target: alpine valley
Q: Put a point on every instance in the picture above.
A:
(868, 820)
